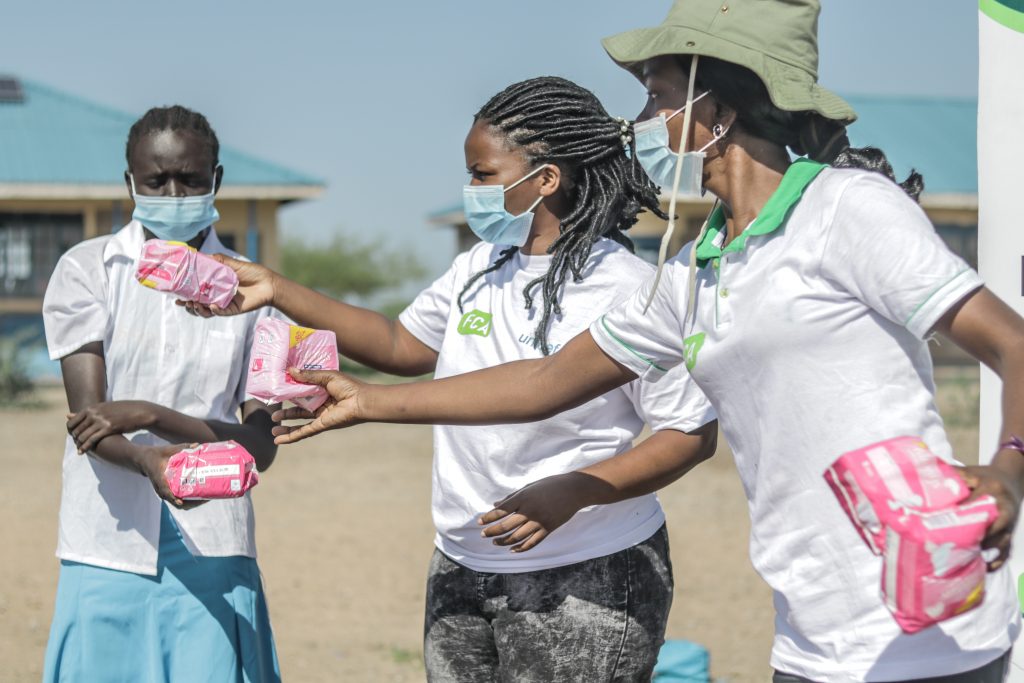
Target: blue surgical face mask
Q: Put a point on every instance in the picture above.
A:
(658, 159)
(484, 207)
(175, 219)
(685, 180)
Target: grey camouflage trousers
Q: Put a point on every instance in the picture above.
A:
(598, 620)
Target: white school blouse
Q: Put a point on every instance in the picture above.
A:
(154, 351)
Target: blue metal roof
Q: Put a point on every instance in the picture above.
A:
(52, 137)
(936, 136)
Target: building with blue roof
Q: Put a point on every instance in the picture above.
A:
(62, 180)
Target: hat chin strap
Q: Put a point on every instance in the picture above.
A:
(667, 237)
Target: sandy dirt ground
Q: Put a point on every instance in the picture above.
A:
(344, 534)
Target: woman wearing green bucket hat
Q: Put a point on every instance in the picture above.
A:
(802, 311)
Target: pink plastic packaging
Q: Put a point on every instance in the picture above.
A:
(879, 481)
(178, 268)
(211, 470)
(278, 346)
(932, 565)
(907, 504)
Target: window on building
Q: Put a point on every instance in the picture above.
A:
(30, 245)
(961, 239)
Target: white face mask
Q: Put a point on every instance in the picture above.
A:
(175, 219)
(656, 156)
(484, 208)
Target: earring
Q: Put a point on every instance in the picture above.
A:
(717, 130)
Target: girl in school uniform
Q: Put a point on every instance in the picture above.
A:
(152, 588)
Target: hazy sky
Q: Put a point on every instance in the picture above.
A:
(375, 97)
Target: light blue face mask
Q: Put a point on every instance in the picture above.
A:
(484, 208)
(175, 219)
(658, 159)
(683, 180)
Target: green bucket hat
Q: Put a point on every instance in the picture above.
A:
(776, 39)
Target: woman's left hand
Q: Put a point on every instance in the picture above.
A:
(99, 421)
(525, 518)
(1000, 485)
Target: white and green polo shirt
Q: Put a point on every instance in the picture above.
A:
(475, 466)
(809, 340)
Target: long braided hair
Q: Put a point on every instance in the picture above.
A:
(554, 121)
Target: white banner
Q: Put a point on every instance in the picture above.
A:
(1000, 192)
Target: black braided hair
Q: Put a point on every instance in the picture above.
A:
(555, 121)
(174, 117)
(805, 132)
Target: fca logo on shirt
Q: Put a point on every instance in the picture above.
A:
(475, 322)
(691, 347)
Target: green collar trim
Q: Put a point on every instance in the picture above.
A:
(796, 179)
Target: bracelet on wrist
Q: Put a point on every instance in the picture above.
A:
(1014, 444)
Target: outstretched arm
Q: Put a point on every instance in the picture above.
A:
(528, 516)
(520, 391)
(993, 333)
(363, 335)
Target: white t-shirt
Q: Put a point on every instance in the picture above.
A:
(809, 342)
(476, 466)
(154, 351)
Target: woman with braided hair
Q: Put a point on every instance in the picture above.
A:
(553, 191)
(152, 587)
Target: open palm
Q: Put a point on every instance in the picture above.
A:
(340, 410)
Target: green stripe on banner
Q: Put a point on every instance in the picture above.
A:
(1017, 5)
(1009, 13)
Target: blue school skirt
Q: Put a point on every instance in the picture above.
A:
(198, 619)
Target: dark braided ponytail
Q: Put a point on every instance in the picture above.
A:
(555, 121)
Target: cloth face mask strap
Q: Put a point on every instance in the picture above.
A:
(523, 180)
(686, 106)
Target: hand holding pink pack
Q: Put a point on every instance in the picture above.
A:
(908, 506)
(178, 268)
(933, 568)
(278, 346)
(223, 469)
(877, 482)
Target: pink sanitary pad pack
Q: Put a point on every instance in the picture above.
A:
(932, 564)
(278, 346)
(908, 506)
(878, 481)
(178, 268)
(211, 470)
